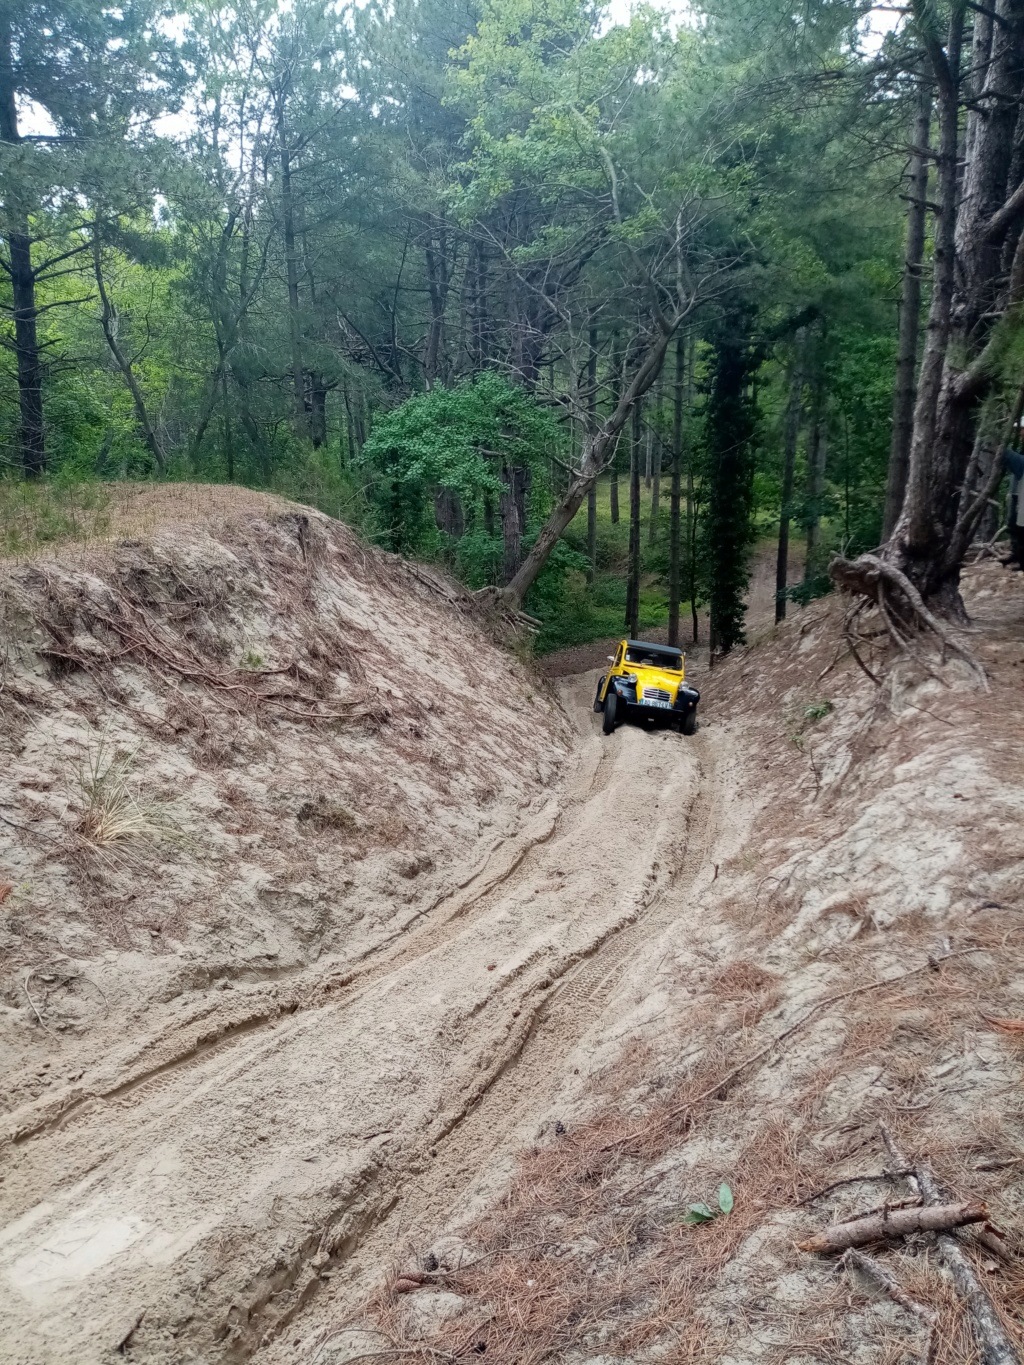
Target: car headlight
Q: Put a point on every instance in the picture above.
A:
(629, 678)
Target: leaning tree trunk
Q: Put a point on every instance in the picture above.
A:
(597, 452)
(108, 322)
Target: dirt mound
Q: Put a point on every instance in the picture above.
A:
(234, 743)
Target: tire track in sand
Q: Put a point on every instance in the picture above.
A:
(194, 1196)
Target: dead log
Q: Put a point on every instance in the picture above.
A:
(889, 1223)
(989, 1332)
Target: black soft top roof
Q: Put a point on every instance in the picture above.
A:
(655, 649)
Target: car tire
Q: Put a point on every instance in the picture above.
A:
(611, 706)
(689, 725)
(598, 703)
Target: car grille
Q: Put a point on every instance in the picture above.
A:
(656, 694)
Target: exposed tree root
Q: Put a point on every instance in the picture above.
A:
(989, 1333)
(901, 608)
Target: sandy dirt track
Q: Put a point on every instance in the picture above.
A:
(209, 1197)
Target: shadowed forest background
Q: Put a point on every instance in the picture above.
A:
(467, 275)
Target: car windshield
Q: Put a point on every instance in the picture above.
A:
(655, 658)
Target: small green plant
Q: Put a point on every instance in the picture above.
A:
(817, 710)
(704, 1213)
(252, 662)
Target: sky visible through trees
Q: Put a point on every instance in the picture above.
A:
(583, 303)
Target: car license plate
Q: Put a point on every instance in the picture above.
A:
(667, 705)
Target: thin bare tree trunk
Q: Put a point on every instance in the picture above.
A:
(108, 320)
(291, 261)
(816, 460)
(675, 495)
(613, 476)
(791, 437)
(654, 449)
(596, 455)
(909, 316)
(633, 569)
(592, 494)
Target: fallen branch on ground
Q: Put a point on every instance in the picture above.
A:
(989, 1332)
(890, 1223)
(874, 1270)
(875, 1177)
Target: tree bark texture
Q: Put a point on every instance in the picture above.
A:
(909, 315)
(891, 1223)
(970, 290)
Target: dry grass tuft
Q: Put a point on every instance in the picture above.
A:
(109, 810)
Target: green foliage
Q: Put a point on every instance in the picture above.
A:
(704, 1213)
(463, 441)
(419, 212)
(33, 515)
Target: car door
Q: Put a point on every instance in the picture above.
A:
(616, 665)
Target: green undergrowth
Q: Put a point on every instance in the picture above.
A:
(576, 611)
(51, 512)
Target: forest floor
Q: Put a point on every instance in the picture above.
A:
(377, 1044)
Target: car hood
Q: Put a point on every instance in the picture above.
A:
(656, 677)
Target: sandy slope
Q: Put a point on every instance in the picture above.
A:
(210, 1191)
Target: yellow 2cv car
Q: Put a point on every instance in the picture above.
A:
(649, 682)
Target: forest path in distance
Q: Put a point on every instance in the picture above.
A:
(198, 1208)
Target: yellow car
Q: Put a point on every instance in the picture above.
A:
(647, 681)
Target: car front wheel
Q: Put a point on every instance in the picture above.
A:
(611, 706)
(689, 726)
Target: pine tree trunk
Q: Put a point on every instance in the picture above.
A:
(633, 567)
(816, 460)
(969, 292)
(909, 316)
(654, 448)
(291, 260)
(791, 437)
(31, 433)
(675, 495)
(613, 475)
(592, 494)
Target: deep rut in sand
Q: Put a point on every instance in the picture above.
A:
(214, 1191)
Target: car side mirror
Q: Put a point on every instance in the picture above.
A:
(610, 658)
